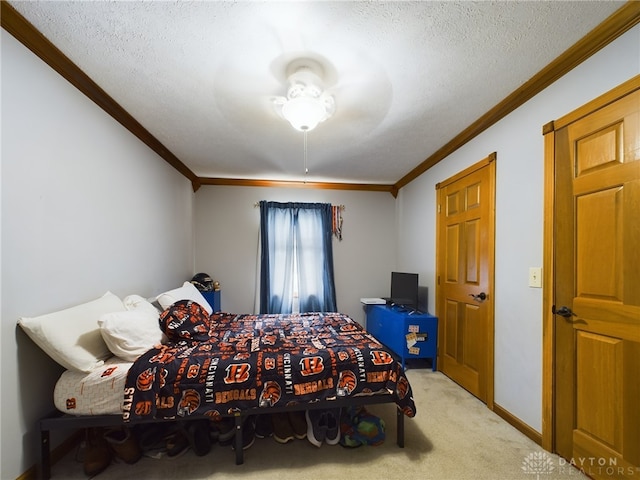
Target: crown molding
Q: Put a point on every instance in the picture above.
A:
(237, 182)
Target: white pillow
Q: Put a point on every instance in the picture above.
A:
(134, 302)
(131, 333)
(72, 337)
(187, 292)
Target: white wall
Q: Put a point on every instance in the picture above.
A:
(518, 141)
(226, 232)
(86, 208)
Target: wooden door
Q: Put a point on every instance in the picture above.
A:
(464, 287)
(597, 288)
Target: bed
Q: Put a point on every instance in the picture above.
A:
(213, 365)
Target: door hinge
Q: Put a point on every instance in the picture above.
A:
(439, 209)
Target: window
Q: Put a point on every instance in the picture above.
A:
(296, 267)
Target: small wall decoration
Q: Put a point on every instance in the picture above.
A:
(337, 220)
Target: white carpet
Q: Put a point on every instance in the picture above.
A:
(454, 436)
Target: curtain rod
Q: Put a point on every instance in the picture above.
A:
(257, 204)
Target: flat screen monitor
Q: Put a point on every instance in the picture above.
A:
(404, 289)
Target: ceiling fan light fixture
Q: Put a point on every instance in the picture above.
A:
(306, 104)
(304, 113)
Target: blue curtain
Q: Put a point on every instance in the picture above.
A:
(296, 244)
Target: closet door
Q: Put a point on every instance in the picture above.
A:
(465, 269)
(597, 289)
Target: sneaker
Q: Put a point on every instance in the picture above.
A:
(333, 427)
(214, 433)
(298, 423)
(124, 444)
(197, 433)
(316, 426)
(264, 426)
(177, 445)
(226, 430)
(282, 429)
(248, 433)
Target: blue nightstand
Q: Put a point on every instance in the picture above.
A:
(409, 335)
(214, 299)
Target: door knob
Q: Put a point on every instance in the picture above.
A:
(480, 297)
(563, 312)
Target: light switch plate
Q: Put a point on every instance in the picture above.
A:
(535, 277)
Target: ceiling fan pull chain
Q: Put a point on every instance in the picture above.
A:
(306, 169)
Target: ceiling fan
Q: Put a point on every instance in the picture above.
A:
(307, 103)
(352, 90)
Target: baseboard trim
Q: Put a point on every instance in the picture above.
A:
(56, 454)
(517, 424)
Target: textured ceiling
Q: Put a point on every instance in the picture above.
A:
(407, 77)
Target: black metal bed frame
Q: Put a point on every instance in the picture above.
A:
(65, 421)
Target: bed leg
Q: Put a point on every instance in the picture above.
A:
(45, 455)
(238, 440)
(400, 428)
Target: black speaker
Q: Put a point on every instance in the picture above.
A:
(423, 299)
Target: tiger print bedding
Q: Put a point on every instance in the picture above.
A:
(223, 363)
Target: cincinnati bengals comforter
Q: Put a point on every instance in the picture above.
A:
(223, 363)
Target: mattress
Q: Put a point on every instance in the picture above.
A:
(99, 392)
